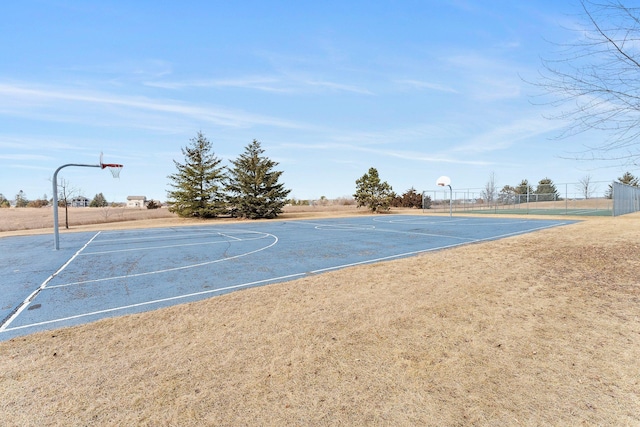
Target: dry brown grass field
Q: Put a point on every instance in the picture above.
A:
(24, 221)
(18, 220)
(537, 329)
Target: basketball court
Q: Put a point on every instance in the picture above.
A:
(95, 275)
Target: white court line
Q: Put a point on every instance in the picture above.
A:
(583, 211)
(345, 227)
(184, 267)
(281, 278)
(27, 300)
(419, 220)
(457, 222)
(124, 307)
(239, 239)
(162, 235)
(174, 246)
(340, 226)
(413, 233)
(383, 230)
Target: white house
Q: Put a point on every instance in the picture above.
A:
(136, 201)
(79, 202)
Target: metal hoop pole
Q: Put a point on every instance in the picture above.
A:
(56, 237)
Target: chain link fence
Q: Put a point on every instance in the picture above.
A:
(626, 199)
(569, 199)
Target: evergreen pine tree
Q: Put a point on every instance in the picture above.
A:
(411, 199)
(21, 200)
(547, 191)
(523, 191)
(98, 201)
(628, 178)
(197, 185)
(253, 187)
(373, 193)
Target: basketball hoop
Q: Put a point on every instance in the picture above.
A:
(114, 168)
(445, 181)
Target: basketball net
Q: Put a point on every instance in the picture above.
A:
(113, 168)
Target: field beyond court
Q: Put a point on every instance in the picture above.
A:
(536, 329)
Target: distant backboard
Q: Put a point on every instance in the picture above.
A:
(443, 181)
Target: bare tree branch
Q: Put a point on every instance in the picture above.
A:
(595, 81)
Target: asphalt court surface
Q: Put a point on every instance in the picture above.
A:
(112, 273)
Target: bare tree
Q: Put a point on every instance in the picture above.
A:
(585, 186)
(106, 211)
(490, 192)
(65, 197)
(596, 80)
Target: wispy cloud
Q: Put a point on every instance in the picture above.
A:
(23, 157)
(338, 87)
(423, 157)
(417, 84)
(35, 97)
(266, 84)
(504, 136)
(42, 144)
(288, 83)
(446, 143)
(486, 77)
(410, 155)
(509, 44)
(421, 134)
(122, 70)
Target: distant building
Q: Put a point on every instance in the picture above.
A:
(79, 202)
(136, 201)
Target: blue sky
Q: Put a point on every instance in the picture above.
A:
(416, 89)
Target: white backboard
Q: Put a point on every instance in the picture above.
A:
(443, 181)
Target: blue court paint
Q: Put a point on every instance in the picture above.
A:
(111, 273)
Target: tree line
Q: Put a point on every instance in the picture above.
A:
(65, 199)
(201, 187)
(378, 196)
(250, 188)
(546, 190)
